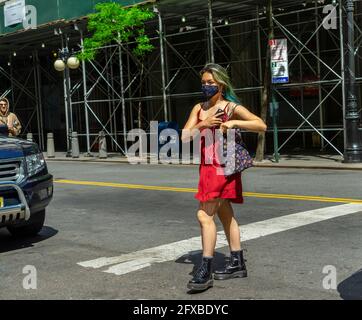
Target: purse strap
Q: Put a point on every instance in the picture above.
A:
(230, 114)
(238, 132)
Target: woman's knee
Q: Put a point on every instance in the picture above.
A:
(204, 218)
(207, 210)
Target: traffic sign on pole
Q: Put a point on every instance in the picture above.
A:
(279, 60)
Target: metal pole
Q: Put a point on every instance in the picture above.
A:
(275, 125)
(130, 92)
(211, 35)
(66, 111)
(88, 154)
(66, 107)
(341, 35)
(69, 88)
(321, 116)
(36, 97)
(39, 103)
(69, 111)
(69, 116)
(164, 96)
(108, 58)
(113, 118)
(301, 90)
(123, 100)
(261, 148)
(167, 74)
(12, 82)
(260, 68)
(272, 86)
(353, 148)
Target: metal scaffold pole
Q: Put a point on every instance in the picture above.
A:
(163, 71)
(321, 113)
(39, 108)
(130, 91)
(211, 34)
(107, 54)
(86, 115)
(113, 103)
(260, 61)
(123, 100)
(12, 83)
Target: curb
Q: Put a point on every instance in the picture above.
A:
(256, 164)
(295, 166)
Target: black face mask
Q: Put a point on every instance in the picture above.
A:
(209, 91)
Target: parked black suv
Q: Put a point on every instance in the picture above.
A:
(26, 187)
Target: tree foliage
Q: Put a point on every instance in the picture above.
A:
(112, 22)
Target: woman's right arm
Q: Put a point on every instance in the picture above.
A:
(191, 124)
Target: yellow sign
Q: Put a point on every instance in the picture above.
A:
(1, 202)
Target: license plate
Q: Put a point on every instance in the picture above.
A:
(1, 202)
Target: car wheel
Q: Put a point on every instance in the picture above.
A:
(32, 228)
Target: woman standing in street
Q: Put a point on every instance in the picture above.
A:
(216, 192)
(9, 119)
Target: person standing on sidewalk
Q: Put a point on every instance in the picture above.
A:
(216, 192)
(9, 119)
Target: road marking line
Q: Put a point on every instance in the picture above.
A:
(302, 197)
(123, 185)
(192, 190)
(133, 261)
(129, 266)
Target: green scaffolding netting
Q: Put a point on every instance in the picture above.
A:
(54, 10)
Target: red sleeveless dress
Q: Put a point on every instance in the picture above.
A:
(212, 185)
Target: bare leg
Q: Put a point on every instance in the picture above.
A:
(203, 277)
(205, 215)
(231, 227)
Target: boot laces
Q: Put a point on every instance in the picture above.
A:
(201, 271)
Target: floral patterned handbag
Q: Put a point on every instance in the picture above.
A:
(237, 157)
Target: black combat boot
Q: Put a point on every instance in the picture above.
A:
(202, 279)
(234, 269)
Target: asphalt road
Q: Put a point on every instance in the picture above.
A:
(88, 222)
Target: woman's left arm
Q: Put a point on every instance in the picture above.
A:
(242, 118)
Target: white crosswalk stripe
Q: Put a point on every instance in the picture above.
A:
(133, 261)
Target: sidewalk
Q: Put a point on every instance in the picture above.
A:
(332, 162)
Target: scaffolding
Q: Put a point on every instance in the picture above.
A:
(117, 92)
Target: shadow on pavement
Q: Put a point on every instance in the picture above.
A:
(10, 243)
(194, 257)
(351, 288)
